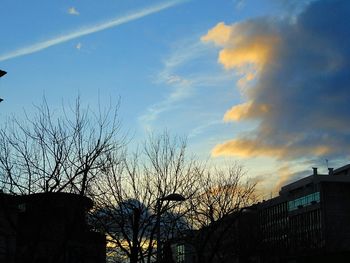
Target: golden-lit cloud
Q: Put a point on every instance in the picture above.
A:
(220, 34)
(244, 81)
(252, 148)
(255, 51)
(285, 174)
(244, 111)
(246, 53)
(293, 75)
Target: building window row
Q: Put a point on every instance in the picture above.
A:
(304, 201)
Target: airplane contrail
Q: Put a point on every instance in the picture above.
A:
(88, 30)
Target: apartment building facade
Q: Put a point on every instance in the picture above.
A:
(309, 220)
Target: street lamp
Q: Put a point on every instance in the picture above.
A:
(171, 197)
(2, 73)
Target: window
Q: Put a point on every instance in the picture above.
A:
(180, 253)
(304, 201)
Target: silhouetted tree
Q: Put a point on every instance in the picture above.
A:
(129, 192)
(44, 152)
(49, 153)
(223, 194)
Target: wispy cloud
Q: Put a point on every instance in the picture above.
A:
(79, 45)
(239, 4)
(200, 129)
(117, 21)
(181, 85)
(73, 11)
(181, 89)
(183, 81)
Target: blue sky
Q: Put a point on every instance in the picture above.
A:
(170, 73)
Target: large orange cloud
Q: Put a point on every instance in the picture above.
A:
(299, 84)
(239, 48)
(247, 53)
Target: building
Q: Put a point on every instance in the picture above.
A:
(223, 241)
(309, 221)
(48, 227)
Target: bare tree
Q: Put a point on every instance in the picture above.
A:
(131, 189)
(47, 153)
(223, 195)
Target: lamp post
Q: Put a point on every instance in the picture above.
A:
(171, 197)
(2, 73)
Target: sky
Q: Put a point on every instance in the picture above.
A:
(264, 83)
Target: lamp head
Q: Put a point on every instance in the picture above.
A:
(173, 197)
(2, 73)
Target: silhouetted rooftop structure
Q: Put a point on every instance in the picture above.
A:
(48, 227)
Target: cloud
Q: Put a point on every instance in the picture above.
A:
(247, 147)
(181, 87)
(117, 21)
(239, 4)
(245, 111)
(286, 176)
(200, 129)
(295, 82)
(181, 78)
(73, 11)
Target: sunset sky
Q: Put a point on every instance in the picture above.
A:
(262, 82)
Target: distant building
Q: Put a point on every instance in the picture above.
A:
(48, 227)
(308, 222)
(231, 239)
(181, 249)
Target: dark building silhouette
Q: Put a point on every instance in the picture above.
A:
(224, 241)
(308, 222)
(48, 227)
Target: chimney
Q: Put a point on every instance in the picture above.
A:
(314, 170)
(330, 171)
